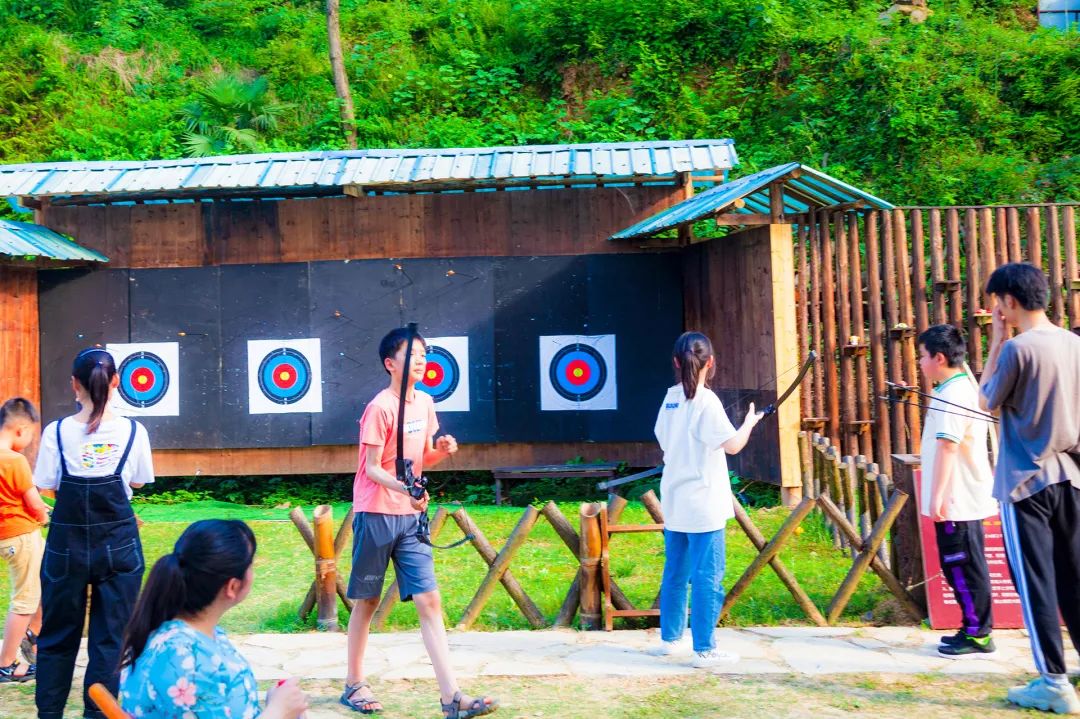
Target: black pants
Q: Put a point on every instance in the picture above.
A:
(64, 602)
(961, 549)
(1042, 542)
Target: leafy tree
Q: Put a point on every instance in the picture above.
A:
(228, 115)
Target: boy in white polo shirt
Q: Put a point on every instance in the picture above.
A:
(957, 486)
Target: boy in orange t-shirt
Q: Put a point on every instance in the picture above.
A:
(21, 545)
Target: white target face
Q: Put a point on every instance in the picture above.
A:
(577, 372)
(446, 377)
(149, 376)
(284, 376)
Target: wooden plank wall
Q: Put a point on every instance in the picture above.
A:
(739, 291)
(19, 356)
(869, 282)
(480, 224)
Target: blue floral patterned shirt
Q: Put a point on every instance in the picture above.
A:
(184, 674)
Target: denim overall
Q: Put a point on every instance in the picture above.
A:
(93, 542)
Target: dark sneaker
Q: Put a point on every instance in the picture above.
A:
(968, 647)
(954, 639)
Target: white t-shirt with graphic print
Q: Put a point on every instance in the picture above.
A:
(94, 455)
(695, 490)
(970, 494)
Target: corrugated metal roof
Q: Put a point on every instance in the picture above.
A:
(459, 167)
(804, 188)
(24, 240)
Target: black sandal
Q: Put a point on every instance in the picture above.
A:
(364, 705)
(478, 708)
(8, 675)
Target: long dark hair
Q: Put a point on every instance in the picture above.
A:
(691, 354)
(94, 369)
(207, 555)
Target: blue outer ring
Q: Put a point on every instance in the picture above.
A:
(451, 374)
(589, 355)
(300, 365)
(150, 361)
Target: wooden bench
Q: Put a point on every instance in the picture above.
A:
(550, 471)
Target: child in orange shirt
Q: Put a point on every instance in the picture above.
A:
(21, 545)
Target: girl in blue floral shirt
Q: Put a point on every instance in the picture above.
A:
(178, 664)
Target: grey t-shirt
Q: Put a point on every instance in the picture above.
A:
(1036, 386)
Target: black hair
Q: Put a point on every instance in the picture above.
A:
(393, 342)
(94, 369)
(692, 352)
(1025, 282)
(947, 340)
(207, 555)
(18, 409)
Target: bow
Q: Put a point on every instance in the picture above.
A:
(811, 358)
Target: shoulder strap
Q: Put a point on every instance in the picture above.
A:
(127, 449)
(60, 450)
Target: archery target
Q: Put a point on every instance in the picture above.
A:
(149, 379)
(446, 377)
(284, 376)
(577, 372)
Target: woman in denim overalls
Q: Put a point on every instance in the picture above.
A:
(93, 539)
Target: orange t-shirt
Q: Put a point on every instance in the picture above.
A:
(378, 428)
(15, 480)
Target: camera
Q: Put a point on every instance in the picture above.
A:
(416, 486)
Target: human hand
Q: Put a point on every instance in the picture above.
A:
(446, 444)
(286, 701)
(937, 510)
(420, 505)
(752, 416)
(998, 327)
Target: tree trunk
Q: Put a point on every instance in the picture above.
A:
(341, 80)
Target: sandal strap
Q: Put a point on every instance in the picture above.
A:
(351, 689)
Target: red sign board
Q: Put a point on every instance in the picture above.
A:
(945, 613)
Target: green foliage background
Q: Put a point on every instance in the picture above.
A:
(976, 105)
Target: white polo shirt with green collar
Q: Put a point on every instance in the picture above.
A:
(971, 490)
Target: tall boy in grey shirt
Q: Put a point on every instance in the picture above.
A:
(1034, 381)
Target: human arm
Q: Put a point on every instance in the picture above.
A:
(47, 468)
(36, 508)
(375, 472)
(997, 382)
(742, 435)
(945, 457)
(141, 461)
(439, 449)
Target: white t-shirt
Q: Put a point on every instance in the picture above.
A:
(695, 491)
(971, 490)
(94, 455)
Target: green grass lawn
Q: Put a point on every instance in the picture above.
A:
(284, 567)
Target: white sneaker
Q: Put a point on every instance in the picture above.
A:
(713, 658)
(1039, 694)
(666, 649)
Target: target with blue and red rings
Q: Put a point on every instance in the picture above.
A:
(284, 375)
(578, 372)
(144, 379)
(441, 375)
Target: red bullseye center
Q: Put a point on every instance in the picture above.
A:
(578, 372)
(433, 374)
(142, 380)
(284, 375)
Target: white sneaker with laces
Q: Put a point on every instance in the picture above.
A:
(1040, 694)
(713, 658)
(666, 649)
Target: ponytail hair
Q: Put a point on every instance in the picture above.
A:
(691, 354)
(207, 555)
(94, 369)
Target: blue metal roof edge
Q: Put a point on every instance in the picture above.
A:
(23, 239)
(810, 184)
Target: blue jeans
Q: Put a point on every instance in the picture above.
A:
(697, 559)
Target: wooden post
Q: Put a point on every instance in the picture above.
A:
(974, 294)
(776, 202)
(1053, 259)
(1012, 216)
(1034, 237)
(878, 339)
(1001, 251)
(589, 610)
(836, 488)
(767, 553)
(858, 321)
(499, 567)
(325, 568)
(828, 313)
(907, 549)
(911, 374)
(818, 371)
(937, 268)
(782, 572)
(506, 578)
(805, 462)
(847, 368)
(987, 251)
(952, 240)
(895, 345)
(1072, 272)
(918, 271)
(866, 519)
(802, 300)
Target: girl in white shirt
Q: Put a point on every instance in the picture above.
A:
(92, 460)
(695, 434)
